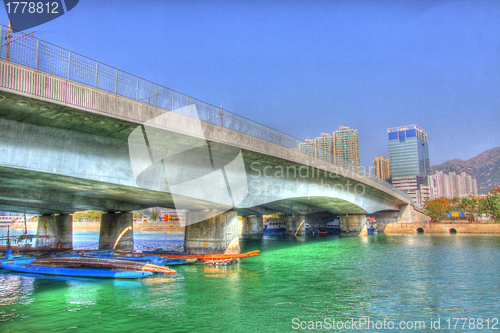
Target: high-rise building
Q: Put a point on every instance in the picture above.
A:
(452, 185)
(308, 147)
(381, 168)
(408, 151)
(409, 157)
(342, 148)
(324, 147)
(346, 146)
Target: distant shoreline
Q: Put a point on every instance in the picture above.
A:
(96, 227)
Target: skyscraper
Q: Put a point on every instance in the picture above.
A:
(324, 147)
(308, 147)
(408, 151)
(346, 146)
(381, 168)
(409, 161)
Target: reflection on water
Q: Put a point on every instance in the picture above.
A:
(380, 277)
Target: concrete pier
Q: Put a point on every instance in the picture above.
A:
(352, 224)
(294, 222)
(60, 227)
(214, 234)
(252, 225)
(117, 227)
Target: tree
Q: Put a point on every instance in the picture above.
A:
(154, 216)
(490, 205)
(88, 215)
(437, 208)
(495, 190)
(469, 205)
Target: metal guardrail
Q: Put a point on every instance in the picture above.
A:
(32, 52)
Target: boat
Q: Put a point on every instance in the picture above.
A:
(148, 259)
(275, 229)
(331, 228)
(102, 262)
(27, 266)
(216, 256)
(371, 226)
(181, 261)
(310, 230)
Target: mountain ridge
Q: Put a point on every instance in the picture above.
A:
(484, 167)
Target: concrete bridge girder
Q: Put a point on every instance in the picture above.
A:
(75, 153)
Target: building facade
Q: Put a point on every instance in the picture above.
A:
(452, 185)
(341, 148)
(381, 168)
(408, 151)
(409, 161)
(324, 147)
(346, 146)
(308, 147)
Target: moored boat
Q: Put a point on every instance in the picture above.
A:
(371, 227)
(76, 272)
(181, 261)
(310, 230)
(102, 262)
(275, 229)
(173, 255)
(331, 228)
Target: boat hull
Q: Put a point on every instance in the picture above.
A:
(274, 232)
(330, 231)
(76, 272)
(171, 255)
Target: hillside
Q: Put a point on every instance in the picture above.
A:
(485, 167)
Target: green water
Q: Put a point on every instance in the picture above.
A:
(413, 278)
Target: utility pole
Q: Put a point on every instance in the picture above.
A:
(9, 36)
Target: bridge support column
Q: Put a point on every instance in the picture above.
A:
(252, 225)
(59, 227)
(294, 225)
(213, 234)
(117, 228)
(352, 224)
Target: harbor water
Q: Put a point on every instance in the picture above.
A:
(295, 284)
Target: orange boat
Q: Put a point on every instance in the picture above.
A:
(220, 256)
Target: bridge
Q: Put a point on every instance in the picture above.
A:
(78, 134)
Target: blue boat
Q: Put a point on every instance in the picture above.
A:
(371, 226)
(331, 228)
(310, 230)
(23, 266)
(275, 229)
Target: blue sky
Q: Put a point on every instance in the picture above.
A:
(307, 67)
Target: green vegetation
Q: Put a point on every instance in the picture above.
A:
(473, 207)
(88, 216)
(154, 216)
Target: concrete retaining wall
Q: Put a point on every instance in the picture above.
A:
(395, 229)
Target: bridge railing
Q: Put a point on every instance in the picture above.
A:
(26, 50)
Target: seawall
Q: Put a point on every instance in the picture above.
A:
(395, 229)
